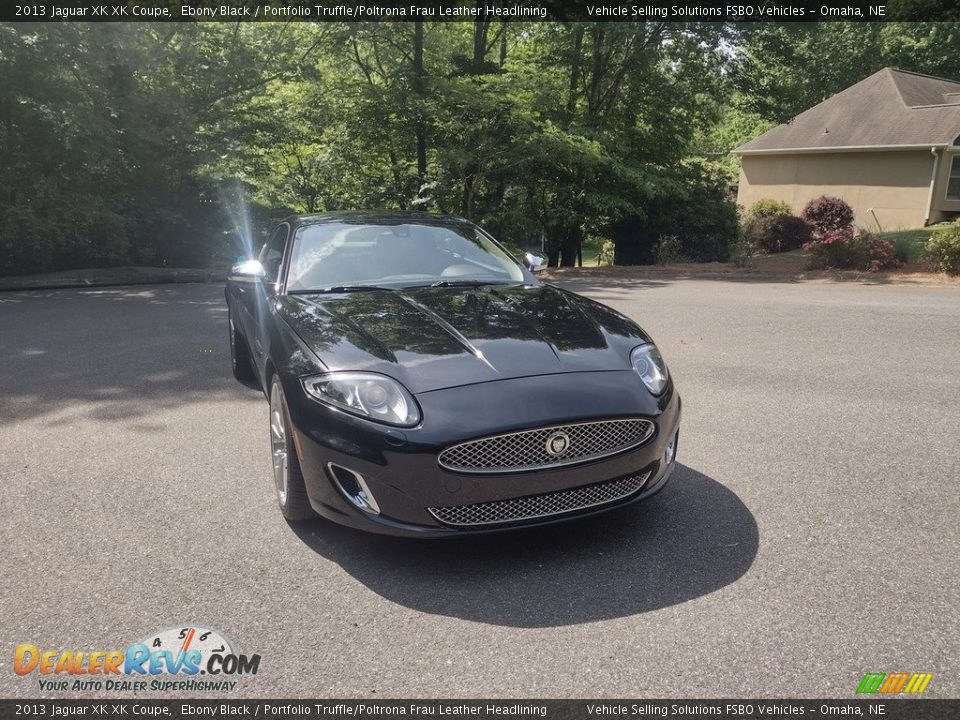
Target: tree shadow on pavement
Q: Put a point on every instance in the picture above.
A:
(117, 354)
(693, 538)
(630, 278)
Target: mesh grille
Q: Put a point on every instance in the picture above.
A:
(528, 449)
(540, 506)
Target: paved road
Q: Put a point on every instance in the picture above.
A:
(810, 535)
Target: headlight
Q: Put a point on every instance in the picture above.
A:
(650, 367)
(368, 395)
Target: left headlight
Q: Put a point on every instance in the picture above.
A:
(369, 395)
(651, 368)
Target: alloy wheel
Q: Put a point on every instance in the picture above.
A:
(278, 442)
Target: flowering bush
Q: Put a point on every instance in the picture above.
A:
(846, 249)
(836, 249)
(775, 234)
(827, 214)
(881, 253)
(943, 249)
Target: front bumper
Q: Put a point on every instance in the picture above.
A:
(400, 469)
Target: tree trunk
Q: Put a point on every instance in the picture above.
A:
(596, 72)
(466, 205)
(419, 86)
(552, 248)
(480, 28)
(570, 245)
(575, 71)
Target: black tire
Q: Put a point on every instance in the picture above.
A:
(293, 500)
(240, 361)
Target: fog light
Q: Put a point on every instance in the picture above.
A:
(354, 487)
(670, 451)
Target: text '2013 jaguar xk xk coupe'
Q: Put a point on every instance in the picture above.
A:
(422, 381)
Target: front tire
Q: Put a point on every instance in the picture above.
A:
(287, 475)
(240, 361)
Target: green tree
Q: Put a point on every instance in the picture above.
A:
(781, 69)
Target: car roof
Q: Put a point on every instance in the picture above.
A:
(378, 217)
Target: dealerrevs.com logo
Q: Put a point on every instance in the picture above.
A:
(184, 652)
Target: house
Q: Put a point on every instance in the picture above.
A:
(889, 146)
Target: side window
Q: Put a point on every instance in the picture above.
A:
(953, 183)
(272, 253)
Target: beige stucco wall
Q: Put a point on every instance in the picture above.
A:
(943, 209)
(896, 185)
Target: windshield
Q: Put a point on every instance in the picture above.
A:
(347, 255)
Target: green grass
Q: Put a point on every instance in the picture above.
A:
(590, 250)
(913, 241)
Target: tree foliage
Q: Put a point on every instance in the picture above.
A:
(782, 69)
(155, 143)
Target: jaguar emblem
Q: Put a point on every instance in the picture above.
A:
(557, 443)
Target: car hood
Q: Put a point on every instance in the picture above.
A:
(433, 338)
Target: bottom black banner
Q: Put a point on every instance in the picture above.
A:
(483, 709)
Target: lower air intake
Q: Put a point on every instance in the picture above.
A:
(535, 507)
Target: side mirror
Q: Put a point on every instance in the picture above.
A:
(247, 271)
(535, 263)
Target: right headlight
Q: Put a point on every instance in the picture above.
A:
(651, 368)
(370, 395)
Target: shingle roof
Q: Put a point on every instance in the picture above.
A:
(889, 108)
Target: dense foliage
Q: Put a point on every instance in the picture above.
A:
(943, 249)
(827, 214)
(777, 233)
(767, 207)
(782, 69)
(174, 144)
(850, 249)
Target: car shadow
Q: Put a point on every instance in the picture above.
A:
(692, 539)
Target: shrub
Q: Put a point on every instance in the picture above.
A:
(671, 250)
(827, 214)
(779, 233)
(26, 242)
(943, 249)
(836, 249)
(881, 253)
(741, 253)
(767, 207)
(605, 256)
(694, 206)
(845, 249)
(902, 248)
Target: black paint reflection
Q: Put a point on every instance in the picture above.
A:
(439, 337)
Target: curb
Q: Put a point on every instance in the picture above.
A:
(841, 276)
(108, 278)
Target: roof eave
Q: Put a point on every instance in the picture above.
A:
(838, 148)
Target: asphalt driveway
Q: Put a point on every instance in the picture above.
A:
(811, 534)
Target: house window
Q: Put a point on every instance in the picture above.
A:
(953, 183)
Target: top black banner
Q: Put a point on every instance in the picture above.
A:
(474, 10)
(284, 709)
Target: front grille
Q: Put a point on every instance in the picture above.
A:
(532, 450)
(532, 507)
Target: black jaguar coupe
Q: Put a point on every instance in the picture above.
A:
(422, 381)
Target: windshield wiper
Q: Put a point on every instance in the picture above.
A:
(459, 283)
(346, 289)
